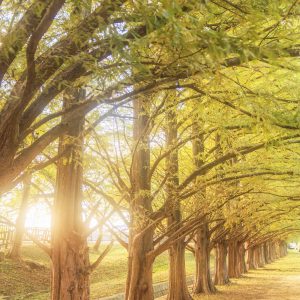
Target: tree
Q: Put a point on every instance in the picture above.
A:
(15, 251)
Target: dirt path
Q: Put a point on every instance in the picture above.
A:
(277, 281)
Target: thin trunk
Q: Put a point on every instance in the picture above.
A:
(140, 263)
(98, 242)
(15, 251)
(221, 270)
(178, 289)
(70, 258)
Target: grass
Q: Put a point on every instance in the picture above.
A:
(18, 279)
(109, 278)
(279, 280)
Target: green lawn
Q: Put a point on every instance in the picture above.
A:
(108, 279)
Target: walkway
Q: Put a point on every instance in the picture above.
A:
(277, 281)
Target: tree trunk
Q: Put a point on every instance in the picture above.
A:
(241, 253)
(140, 262)
(266, 253)
(98, 242)
(203, 281)
(139, 277)
(15, 251)
(262, 256)
(283, 248)
(234, 260)
(251, 259)
(70, 258)
(272, 251)
(271, 256)
(178, 289)
(221, 271)
(277, 251)
(258, 256)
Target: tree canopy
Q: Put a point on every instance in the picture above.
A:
(179, 119)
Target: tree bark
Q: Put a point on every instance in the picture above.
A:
(70, 257)
(277, 250)
(178, 289)
(261, 256)
(15, 39)
(203, 281)
(242, 262)
(251, 260)
(15, 251)
(234, 259)
(282, 248)
(270, 252)
(221, 271)
(257, 256)
(140, 262)
(266, 253)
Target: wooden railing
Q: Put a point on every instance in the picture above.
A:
(6, 236)
(41, 234)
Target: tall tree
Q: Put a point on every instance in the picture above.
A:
(178, 289)
(70, 258)
(140, 262)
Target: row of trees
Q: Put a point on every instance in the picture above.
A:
(178, 118)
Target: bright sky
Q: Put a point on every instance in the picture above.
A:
(38, 215)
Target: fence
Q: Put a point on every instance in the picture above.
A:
(6, 236)
(41, 234)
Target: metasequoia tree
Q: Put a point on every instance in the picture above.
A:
(128, 56)
(221, 270)
(177, 277)
(163, 212)
(15, 251)
(35, 71)
(69, 252)
(140, 262)
(203, 282)
(69, 255)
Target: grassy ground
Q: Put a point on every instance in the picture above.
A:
(108, 279)
(277, 281)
